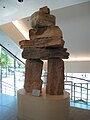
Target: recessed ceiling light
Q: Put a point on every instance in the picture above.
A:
(3, 6)
(27, 19)
(20, 0)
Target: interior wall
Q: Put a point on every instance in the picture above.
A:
(74, 22)
(77, 66)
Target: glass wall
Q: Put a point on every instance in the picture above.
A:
(11, 72)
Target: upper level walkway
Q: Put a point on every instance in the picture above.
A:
(8, 107)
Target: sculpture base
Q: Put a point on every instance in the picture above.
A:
(45, 107)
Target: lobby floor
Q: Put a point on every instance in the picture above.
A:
(80, 105)
(8, 108)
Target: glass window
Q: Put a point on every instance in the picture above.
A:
(11, 72)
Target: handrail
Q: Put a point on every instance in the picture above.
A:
(78, 78)
(77, 96)
(82, 87)
(72, 77)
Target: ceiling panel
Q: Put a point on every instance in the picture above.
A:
(13, 10)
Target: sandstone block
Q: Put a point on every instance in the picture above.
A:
(33, 72)
(43, 42)
(43, 32)
(44, 10)
(39, 19)
(55, 77)
(44, 53)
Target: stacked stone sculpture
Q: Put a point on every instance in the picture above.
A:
(46, 43)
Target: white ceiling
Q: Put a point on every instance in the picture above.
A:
(11, 10)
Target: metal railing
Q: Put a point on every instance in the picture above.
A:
(79, 91)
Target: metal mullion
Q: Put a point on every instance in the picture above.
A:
(15, 77)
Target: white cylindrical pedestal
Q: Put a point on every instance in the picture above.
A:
(45, 107)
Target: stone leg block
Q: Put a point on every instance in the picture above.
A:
(33, 72)
(55, 77)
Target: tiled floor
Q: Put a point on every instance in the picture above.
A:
(80, 105)
(8, 107)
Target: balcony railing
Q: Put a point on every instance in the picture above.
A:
(77, 87)
(79, 92)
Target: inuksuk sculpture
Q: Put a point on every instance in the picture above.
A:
(46, 43)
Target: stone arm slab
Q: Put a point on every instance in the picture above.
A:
(44, 42)
(44, 53)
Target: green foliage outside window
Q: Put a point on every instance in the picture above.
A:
(5, 60)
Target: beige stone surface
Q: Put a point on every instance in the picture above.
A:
(45, 107)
